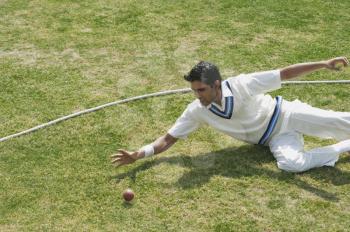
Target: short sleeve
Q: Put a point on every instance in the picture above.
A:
(184, 125)
(261, 82)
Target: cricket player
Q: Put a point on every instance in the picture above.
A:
(240, 108)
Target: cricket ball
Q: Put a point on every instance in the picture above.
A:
(128, 195)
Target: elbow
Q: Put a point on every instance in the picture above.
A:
(286, 74)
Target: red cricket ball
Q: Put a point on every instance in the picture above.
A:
(128, 195)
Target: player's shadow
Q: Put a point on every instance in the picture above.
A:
(244, 161)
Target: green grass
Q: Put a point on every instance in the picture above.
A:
(59, 57)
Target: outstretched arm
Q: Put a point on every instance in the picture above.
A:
(125, 157)
(304, 68)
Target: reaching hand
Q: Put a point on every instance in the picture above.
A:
(124, 157)
(337, 63)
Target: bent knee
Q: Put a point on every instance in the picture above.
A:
(299, 162)
(296, 168)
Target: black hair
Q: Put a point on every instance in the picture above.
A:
(205, 72)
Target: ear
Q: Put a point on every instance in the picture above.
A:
(217, 83)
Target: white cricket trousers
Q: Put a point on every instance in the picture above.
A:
(288, 145)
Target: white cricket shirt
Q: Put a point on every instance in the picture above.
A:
(246, 113)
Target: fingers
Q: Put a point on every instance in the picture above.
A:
(116, 160)
(116, 155)
(124, 152)
(121, 158)
(120, 153)
(343, 60)
(337, 63)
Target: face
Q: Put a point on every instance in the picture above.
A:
(205, 93)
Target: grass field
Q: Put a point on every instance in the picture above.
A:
(59, 57)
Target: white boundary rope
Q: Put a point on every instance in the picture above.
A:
(162, 93)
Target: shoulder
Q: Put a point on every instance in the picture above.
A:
(235, 79)
(262, 74)
(194, 106)
(194, 109)
(236, 83)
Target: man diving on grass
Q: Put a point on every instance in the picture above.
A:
(240, 108)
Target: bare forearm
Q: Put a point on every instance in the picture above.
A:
(301, 69)
(162, 144)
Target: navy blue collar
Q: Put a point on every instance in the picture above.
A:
(227, 101)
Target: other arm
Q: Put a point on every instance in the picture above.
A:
(296, 70)
(160, 145)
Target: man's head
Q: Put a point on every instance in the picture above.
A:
(205, 81)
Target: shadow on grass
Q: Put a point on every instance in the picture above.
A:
(128, 205)
(243, 161)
